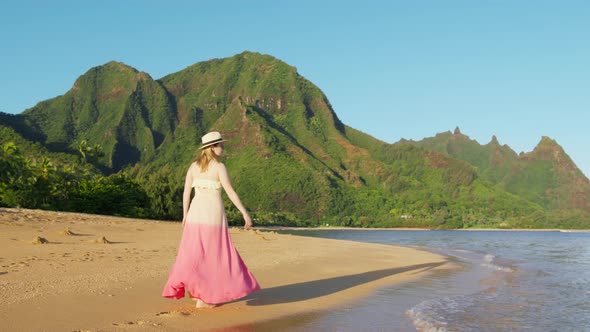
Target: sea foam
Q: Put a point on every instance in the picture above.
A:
(490, 262)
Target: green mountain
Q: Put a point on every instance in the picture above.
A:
(546, 176)
(114, 105)
(492, 160)
(289, 155)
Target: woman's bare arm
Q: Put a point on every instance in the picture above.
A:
(186, 194)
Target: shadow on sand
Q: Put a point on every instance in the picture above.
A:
(311, 289)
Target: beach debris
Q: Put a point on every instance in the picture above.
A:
(39, 240)
(139, 322)
(103, 240)
(68, 232)
(261, 234)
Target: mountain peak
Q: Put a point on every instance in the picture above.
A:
(574, 191)
(547, 148)
(247, 54)
(112, 73)
(457, 131)
(445, 134)
(547, 141)
(494, 140)
(120, 67)
(116, 65)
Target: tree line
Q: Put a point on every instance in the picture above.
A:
(78, 186)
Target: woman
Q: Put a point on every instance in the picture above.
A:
(208, 265)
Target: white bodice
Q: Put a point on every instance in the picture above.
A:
(206, 184)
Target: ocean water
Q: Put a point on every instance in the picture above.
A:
(509, 281)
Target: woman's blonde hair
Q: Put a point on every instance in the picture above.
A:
(205, 157)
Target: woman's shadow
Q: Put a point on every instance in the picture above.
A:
(311, 289)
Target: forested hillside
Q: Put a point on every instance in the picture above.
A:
(290, 157)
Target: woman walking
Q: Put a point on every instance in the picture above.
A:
(208, 265)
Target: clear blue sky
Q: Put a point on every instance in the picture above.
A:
(393, 69)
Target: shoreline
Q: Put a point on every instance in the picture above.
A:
(424, 229)
(78, 282)
(120, 219)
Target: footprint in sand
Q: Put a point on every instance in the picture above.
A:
(259, 234)
(139, 322)
(14, 267)
(173, 313)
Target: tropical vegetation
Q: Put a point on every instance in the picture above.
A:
(119, 142)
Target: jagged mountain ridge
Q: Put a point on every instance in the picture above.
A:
(546, 175)
(491, 159)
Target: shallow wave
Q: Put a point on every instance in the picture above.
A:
(491, 262)
(440, 315)
(508, 281)
(448, 313)
(425, 316)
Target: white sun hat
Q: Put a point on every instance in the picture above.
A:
(211, 138)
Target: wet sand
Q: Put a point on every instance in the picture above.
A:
(78, 272)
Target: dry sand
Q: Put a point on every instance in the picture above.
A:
(78, 272)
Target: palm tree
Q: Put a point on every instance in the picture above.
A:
(10, 161)
(84, 150)
(45, 167)
(96, 151)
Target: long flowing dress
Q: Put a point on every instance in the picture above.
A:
(208, 265)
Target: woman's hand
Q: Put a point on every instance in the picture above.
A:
(183, 221)
(247, 221)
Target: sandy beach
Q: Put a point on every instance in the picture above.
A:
(78, 272)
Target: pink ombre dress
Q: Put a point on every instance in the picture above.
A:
(208, 265)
